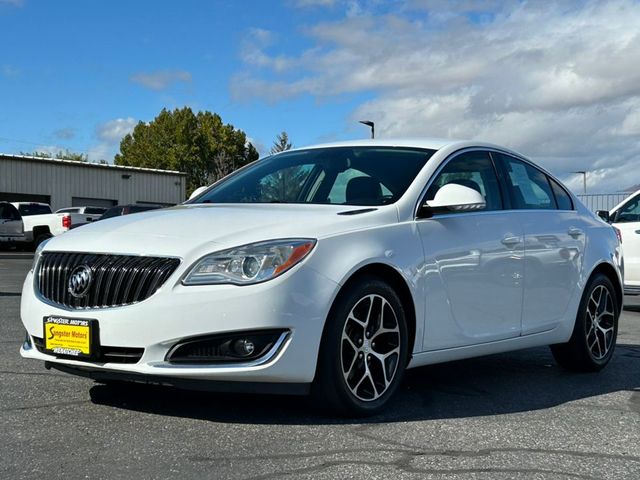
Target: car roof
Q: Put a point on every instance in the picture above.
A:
(427, 143)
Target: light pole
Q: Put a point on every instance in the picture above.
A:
(584, 180)
(369, 123)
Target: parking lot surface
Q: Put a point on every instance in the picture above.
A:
(514, 415)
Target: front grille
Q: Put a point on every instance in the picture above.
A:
(116, 280)
(106, 355)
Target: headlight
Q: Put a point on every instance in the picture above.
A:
(38, 253)
(248, 264)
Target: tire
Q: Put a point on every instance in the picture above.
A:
(592, 343)
(355, 376)
(39, 239)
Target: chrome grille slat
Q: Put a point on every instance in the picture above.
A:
(117, 279)
(99, 269)
(135, 271)
(144, 278)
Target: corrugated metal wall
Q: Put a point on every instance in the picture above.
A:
(602, 201)
(63, 180)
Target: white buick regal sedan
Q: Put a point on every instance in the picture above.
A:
(330, 270)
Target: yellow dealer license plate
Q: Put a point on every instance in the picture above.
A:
(70, 336)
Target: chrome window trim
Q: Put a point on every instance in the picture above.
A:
(488, 150)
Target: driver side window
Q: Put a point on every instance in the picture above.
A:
(629, 212)
(474, 170)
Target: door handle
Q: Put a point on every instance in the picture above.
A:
(510, 240)
(575, 232)
(638, 232)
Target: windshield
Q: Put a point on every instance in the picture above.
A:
(33, 209)
(338, 176)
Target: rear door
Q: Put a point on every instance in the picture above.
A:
(473, 261)
(554, 242)
(627, 220)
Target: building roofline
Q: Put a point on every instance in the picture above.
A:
(13, 156)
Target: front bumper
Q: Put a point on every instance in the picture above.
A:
(298, 302)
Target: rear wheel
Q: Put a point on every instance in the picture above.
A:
(364, 350)
(40, 238)
(594, 336)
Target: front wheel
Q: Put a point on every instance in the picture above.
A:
(364, 350)
(594, 335)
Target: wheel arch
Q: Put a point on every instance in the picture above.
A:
(610, 272)
(41, 230)
(396, 281)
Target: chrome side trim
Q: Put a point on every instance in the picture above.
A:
(267, 359)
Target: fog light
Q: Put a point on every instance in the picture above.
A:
(226, 347)
(244, 347)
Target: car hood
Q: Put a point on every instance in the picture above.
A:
(179, 230)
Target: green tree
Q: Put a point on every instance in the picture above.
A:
(284, 185)
(281, 143)
(60, 155)
(199, 144)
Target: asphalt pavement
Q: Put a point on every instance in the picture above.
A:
(514, 415)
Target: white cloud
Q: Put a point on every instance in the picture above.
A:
(114, 130)
(110, 134)
(557, 80)
(51, 150)
(9, 71)
(253, 51)
(13, 3)
(162, 79)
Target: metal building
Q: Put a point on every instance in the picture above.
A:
(64, 183)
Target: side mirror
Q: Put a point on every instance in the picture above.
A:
(197, 192)
(456, 198)
(604, 215)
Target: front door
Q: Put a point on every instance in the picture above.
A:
(627, 220)
(473, 266)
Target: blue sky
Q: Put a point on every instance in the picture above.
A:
(68, 68)
(554, 80)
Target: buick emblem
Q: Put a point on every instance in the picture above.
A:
(80, 281)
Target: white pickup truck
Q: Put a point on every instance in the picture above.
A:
(27, 224)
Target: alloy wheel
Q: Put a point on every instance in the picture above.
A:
(600, 322)
(370, 347)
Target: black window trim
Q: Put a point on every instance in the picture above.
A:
(445, 162)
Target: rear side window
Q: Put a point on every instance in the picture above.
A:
(94, 210)
(474, 170)
(528, 187)
(562, 197)
(33, 209)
